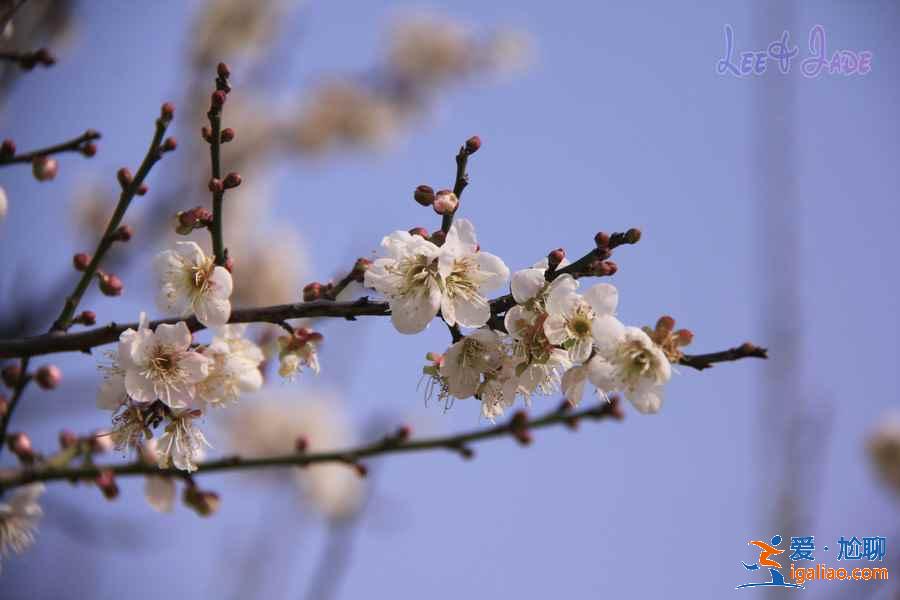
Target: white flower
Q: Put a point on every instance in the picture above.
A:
(543, 377)
(182, 443)
(571, 315)
(160, 364)
(499, 389)
(627, 360)
(233, 368)
(298, 350)
(191, 282)
(419, 278)
(468, 359)
(19, 516)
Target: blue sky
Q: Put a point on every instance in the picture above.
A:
(621, 121)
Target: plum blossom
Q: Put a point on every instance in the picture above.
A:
(626, 360)
(159, 490)
(182, 444)
(571, 315)
(191, 282)
(467, 360)
(419, 278)
(160, 364)
(19, 516)
(233, 368)
(298, 350)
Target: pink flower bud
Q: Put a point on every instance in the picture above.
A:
(123, 233)
(445, 202)
(473, 144)
(89, 149)
(110, 285)
(227, 135)
(142, 189)
(419, 231)
(232, 180)
(602, 240)
(359, 269)
(167, 111)
(555, 257)
(106, 482)
(301, 444)
(683, 337)
(438, 237)
(20, 445)
(81, 261)
(44, 168)
(169, 144)
(312, 291)
(217, 100)
(48, 377)
(124, 176)
(206, 133)
(216, 186)
(424, 195)
(87, 317)
(223, 71)
(11, 374)
(665, 324)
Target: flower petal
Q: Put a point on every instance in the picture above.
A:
(526, 284)
(160, 492)
(603, 298)
(608, 332)
(212, 312)
(573, 384)
(221, 283)
(176, 336)
(412, 313)
(495, 270)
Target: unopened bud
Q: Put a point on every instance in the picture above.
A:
(218, 99)
(169, 144)
(123, 234)
(48, 377)
(111, 285)
(106, 482)
(202, 502)
(445, 202)
(206, 133)
(632, 236)
(44, 168)
(167, 111)
(20, 445)
(312, 291)
(683, 337)
(7, 149)
(361, 469)
(223, 71)
(665, 324)
(11, 374)
(229, 264)
(404, 432)
(125, 177)
(142, 189)
(473, 144)
(216, 186)
(227, 135)
(605, 268)
(601, 240)
(555, 257)
(359, 269)
(419, 231)
(301, 444)
(424, 195)
(89, 149)
(232, 180)
(438, 237)
(87, 317)
(67, 439)
(81, 261)
(4, 405)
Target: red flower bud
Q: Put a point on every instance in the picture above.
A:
(123, 233)
(665, 324)
(232, 180)
(555, 257)
(227, 135)
(602, 240)
(89, 149)
(683, 337)
(206, 133)
(106, 482)
(424, 195)
(301, 444)
(81, 261)
(20, 444)
(312, 291)
(438, 237)
(167, 111)
(216, 186)
(419, 231)
(169, 144)
(48, 377)
(44, 168)
(11, 374)
(218, 99)
(7, 149)
(111, 285)
(223, 71)
(125, 177)
(473, 144)
(142, 189)
(87, 317)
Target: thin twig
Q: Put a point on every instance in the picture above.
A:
(24, 378)
(705, 361)
(389, 445)
(459, 184)
(154, 153)
(217, 186)
(74, 145)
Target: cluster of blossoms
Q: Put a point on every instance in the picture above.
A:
(161, 378)
(552, 337)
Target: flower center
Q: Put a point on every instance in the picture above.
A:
(463, 279)
(636, 361)
(415, 272)
(199, 277)
(580, 326)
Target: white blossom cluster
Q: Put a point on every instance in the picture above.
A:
(554, 336)
(161, 377)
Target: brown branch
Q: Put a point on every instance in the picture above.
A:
(28, 60)
(23, 381)
(216, 185)
(705, 361)
(129, 189)
(462, 178)
(518, 427)
(77, 144)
